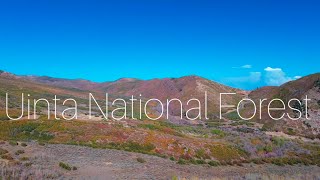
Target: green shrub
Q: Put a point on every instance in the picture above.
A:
(233, 116)
(175, 178)
(291, 131)
(266, 160)
(172, 158)
(278, 162)
(264, 128)
(268, 126)
(223, 163)
(268, 148)
(149, 126)
(141, 160)
(238, 163)
(218, 132)
(24, 159)
(65, 166)
(3, 151)
(7, 157)
(229, 162)
(19, 152)
(182, 161)
(213, 163)
(13, 143)
(29, 127)
(201, 154)
(293, 161)
(278, 141)
(213, 124)
(136, 147)
(24, 144)
(306, 162)
(200, 161)
(257, 161)
(193, 161)
(290, 162)
(317, 83)
(28, 164)
(29, 131)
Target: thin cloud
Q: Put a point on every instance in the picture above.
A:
(247, 66)
(272, 69)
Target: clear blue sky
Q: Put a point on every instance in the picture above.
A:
(106, 40)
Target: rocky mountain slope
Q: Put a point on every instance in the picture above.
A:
(183, 88)
(299, 89)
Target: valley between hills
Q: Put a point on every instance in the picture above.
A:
(173, 148)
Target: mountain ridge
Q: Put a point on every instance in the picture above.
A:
(183, 88)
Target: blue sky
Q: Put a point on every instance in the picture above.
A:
(245, 44)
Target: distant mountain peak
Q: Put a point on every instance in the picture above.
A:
(7, 74)
(127, 80)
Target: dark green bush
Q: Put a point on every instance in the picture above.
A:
(3, 151)
(213, 163)
(257, 161)
(24, 159)
(65, 166)
(218, 132)
(200, 161)
(201, 154)
(7, 157)
(278, 162)
(182, 161)
(268, 148)
(149, 126)
(19, 152)
(141, 160)
(28, 164)
(136, 147)
(13, 143)
(278, 141)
